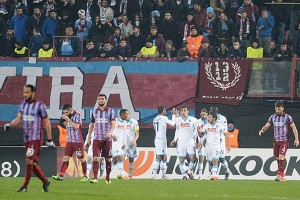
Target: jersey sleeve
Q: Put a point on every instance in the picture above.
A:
(92, 117)
(270, 121)
(136, 126)
(112, 115)
(43, 111)
(171, 122)
(290, 119)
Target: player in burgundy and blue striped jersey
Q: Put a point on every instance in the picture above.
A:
(33, 114)
(75, 142)
(103, 122)
(281, 122)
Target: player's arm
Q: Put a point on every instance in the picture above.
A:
(175, 136)
(227, 141)
(172, 122)
(113, 126)
(73, 124)
(264, 128)
(14, 122)
(137, 135)
(89, 135)
(295, 131)
(47, 125)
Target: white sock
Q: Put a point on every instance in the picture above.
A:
(181, 167)
(191, 166)
(88, 168)
(102, 168)
(214, 170)
(225, 165)
(163, 167)
(131, 167)
(156, 166)
(200, 168)
(209, 168)
(120, 164)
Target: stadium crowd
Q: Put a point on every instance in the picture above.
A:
(181, 29)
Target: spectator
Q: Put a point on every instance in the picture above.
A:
(223, 29)
(3, 27)
(46, 51)
(126, 27)
(283, 54)
(296, 41)
(198, 13)
(18, 23)
(123, 50)
(168, 28)
(232, 8)
(73, 8)
(186, 27)
(264, 26)
(89, 51)
(243, 29)
(272, 50)
(153, 20)
(115, 39)
(7, 43)
(35, 20)
(64, 22)
(183, 54)
(36, 42)
(149, 51)
(82, 25)
(194, 41)
(222, 51)
(50, 26)
(20, 50)
(91, 9)
(218, 5)
(161, 7)
(69, 46)
(136, 41)
(97, 31)
(13, 8)
(233, 134)
(4, 9)
(137, 22)
(170, 51)
(157, 39)
(236, 51)
(205, 50)
(252, 12)
(179, 9)
(107, 50)
(206, 26)
(255, 51)
(105, 11)
(48, 7)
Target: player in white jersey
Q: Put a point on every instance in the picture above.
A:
(118, 143)
(132, 133)
(201, 148)
(89, 150)
(213, 132)
(160, 123)
(223, 122)
(185, 135)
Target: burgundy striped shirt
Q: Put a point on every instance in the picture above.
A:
(281, 125)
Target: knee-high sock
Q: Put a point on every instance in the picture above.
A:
(38, 172)
(181, 167)
(102, 167)
(163, 167)
(28, 174)
(131, 167)
(88, 168)
(191, 166)
(156, 166)
(108, 169)
(83, 165)
(225, 165)
(121, 167)
(95, 169)
(281, 166)
(64, 167)
(200, 167)
(214, 170)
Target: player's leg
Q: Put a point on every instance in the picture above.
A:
(102, 167)
(282, 152)
(214, 157)
(69, 150)
(106, 151)
(192, 155)
(80, 155)
(181, 154)
(276, 155)
(120, 165)
(96, 158)
(159, 154)
(222, 160)
(164, 167)
(131, 154)
(89, 161)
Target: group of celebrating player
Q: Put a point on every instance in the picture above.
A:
(207, 134)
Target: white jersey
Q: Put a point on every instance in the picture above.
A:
(119, 131)
(200, 124)
(132, 126)
(186, 130)
(160, 123)
(222, 121)
(213, 134)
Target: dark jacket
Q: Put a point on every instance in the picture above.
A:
(123, 51)
(35, 43)
(32, 22)
(75, 43)
(90, 53)
(271, 53)
(7, 46)
(181, 55)
(209, 52)
(218, 30)
(94, 9)
(296, 43)
(283, 55)
(169, 30)
(170, 54)
(220, 54)
(108, 53)
(136, 43)
(97, 32)
(239, 53)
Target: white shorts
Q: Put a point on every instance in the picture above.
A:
(184, 150)
(201, 152)
(223, 149)
(212, 153)
(117, 149)
(160, 147)
(130, 151)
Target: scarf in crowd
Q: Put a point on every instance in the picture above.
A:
(82, 25)
(242, 27)
(252, 11)
(123, 7)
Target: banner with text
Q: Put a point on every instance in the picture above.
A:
(222, 80)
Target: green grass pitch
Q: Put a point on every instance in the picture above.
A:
(72, 189)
